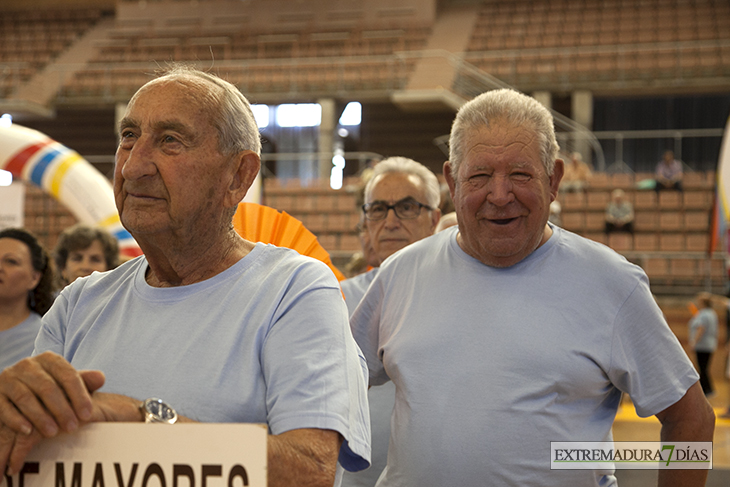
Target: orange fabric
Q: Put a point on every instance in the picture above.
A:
(259, 223)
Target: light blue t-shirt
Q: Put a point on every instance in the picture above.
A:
(493, 364)
(265, 341)
(706, 318)
(380, 398)
(16, 343)
(354, 288)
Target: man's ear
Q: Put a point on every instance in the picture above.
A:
(247, 166)
(435, 217)
(555, 178)
(450, 178)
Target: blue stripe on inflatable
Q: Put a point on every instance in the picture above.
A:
(122, 235)
(41, 166)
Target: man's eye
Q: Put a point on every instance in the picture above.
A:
(521, 176)
(377, 208)
(408, 206)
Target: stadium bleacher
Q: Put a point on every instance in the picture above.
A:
(534, 45)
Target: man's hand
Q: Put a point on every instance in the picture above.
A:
(40, 396)
(46, 393)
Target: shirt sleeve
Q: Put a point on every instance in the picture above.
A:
(365, 325)
(654, 381)
(313, 370)
(52, 335)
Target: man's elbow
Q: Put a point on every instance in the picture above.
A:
(708, 422)
(690, 419)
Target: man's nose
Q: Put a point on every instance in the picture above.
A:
(499, 190)
(138, 161)
(391, 219)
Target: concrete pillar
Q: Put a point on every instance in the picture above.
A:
(581, 106)
(326, 136)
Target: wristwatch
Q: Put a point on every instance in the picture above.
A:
(157, 411)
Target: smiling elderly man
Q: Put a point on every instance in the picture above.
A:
(401, 207)
(507, 333)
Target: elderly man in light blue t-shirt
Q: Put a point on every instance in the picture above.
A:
(220, 328)
(507, 333)
(401, 207)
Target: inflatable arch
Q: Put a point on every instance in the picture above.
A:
(61, 172)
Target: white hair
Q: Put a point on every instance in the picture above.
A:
(508, 106)
(230, 111)
(404, 165)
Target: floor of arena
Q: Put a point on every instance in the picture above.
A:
(629, 427)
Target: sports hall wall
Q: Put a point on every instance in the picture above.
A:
(654, 65)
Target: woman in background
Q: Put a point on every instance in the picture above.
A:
(26, 293)
(81, 250)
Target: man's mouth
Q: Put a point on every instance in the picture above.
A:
(502, 221)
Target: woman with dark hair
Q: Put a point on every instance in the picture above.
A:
(81, 250)
(26, 293)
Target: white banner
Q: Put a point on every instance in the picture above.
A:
(149, 455)
(630, 455)
(12, 205)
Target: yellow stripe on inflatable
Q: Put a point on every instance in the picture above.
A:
(61, 170)
(110, 221)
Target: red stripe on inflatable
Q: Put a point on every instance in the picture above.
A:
(130, 252)
(19, 160)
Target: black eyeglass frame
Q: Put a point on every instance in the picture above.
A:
(394, 207)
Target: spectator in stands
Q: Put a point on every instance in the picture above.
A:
(506, 333)
(26, 293)
(619, 213)
(669, 173)
(577, 174)
(703, 339)
(401, 207)
(82, 249)
(224, 329)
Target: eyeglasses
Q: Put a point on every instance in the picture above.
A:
(405, 209)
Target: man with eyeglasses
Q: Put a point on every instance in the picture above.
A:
(507, 333)
(401, 207)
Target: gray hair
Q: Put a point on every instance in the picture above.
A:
(509, 106)
(230, 111)
(410, 167)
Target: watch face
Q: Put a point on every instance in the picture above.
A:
(160, 410)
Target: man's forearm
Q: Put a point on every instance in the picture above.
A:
(682, 478)
(699, 427)
(303, 458)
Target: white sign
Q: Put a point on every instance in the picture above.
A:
(149, 455)
(12, 205)
(632, 455)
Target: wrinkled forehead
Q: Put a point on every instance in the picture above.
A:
(184, 95)
(395, 186)
(503, 141)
